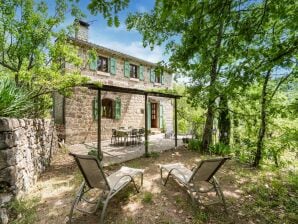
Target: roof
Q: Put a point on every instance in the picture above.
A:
(130, 90)
(112, 52)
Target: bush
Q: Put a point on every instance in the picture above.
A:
(220, 149)
(194, 144)
(14, 101)
(23, 211)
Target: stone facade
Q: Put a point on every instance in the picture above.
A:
(26, 147)
(76, 111)
(80, 126)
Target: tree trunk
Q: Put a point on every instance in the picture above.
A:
(263, 123)
(207, 135)
(224, 122)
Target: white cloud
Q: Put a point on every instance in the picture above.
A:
(135, 49)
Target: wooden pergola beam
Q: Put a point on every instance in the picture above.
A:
(109, 88)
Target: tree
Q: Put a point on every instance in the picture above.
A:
(272, 58)
(34, 51)
(203, 45)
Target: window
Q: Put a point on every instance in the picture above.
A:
(133, 71)
(107, 108)
(158, 78)
(102, 64)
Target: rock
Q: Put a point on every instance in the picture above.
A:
(3, 216)
(5, 198)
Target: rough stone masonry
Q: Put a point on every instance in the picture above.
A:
(26, 147)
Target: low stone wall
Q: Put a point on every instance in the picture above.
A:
(26, 148)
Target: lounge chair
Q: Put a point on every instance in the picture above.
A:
(95, 178)
(190, 179)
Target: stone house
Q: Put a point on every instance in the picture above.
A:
(76, 116)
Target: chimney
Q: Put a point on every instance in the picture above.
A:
(81, 30)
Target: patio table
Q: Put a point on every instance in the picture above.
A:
(123, 133)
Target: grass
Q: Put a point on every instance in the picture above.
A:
(24, 210)
(268, 195)
(147, 197)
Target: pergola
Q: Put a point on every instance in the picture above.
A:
(109, 88)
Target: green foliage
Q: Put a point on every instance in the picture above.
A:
(273, 200)
(194, 144)
(34, 50)
(147, 197)
(24, 210)
(109, 9)
(93, 152)
(154, 154)
(220, 149)
(14, 101)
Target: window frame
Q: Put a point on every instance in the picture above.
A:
(100, 60)
(107, 113)
(134, 74)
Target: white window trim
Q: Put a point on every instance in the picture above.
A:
(103, 73)
(134, 79)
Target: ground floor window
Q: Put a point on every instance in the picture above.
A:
(107, 108)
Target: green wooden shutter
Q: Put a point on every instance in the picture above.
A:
(160, 116)
(149, 115)
(126, 69)
(95, 109)
(152, 75)
(112, 66)
(92, 62)
(162, 78)
(141, 72)
(117, 114)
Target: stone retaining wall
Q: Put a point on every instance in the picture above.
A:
(26, 148)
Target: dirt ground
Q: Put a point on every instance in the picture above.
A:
(155, 203)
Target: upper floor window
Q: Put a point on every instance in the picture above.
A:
(102, 64)
(133, 71)
(158, 78)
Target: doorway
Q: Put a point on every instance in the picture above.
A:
(154, 117)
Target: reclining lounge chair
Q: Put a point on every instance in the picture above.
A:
(203, 172)
(94, 177)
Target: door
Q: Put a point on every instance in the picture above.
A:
(154, 115)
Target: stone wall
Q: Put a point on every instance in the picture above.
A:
(80, 127)
(26, 147)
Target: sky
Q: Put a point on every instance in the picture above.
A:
(119, 39)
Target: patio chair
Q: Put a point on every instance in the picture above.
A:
(133, 136)
(114, 136)
(95, 178)
(189, 179)
(141, 134)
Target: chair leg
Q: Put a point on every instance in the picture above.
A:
(134, 183)
(103, 212)
(77, 199)
(164, 183)
(220, 193)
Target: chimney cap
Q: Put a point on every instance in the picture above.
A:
(82, 23)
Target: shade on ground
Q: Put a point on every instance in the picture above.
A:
(113, 154)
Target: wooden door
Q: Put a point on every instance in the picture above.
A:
(154, 115)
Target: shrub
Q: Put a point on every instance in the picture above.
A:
(24, 210)
(14, 101)
(194, 144)
(18, 101)
(147, 197)
(220, 149)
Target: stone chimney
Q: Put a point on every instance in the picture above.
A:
(81, 31)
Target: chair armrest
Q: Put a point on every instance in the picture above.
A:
(182, 174)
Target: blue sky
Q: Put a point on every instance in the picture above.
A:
(119, 38)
